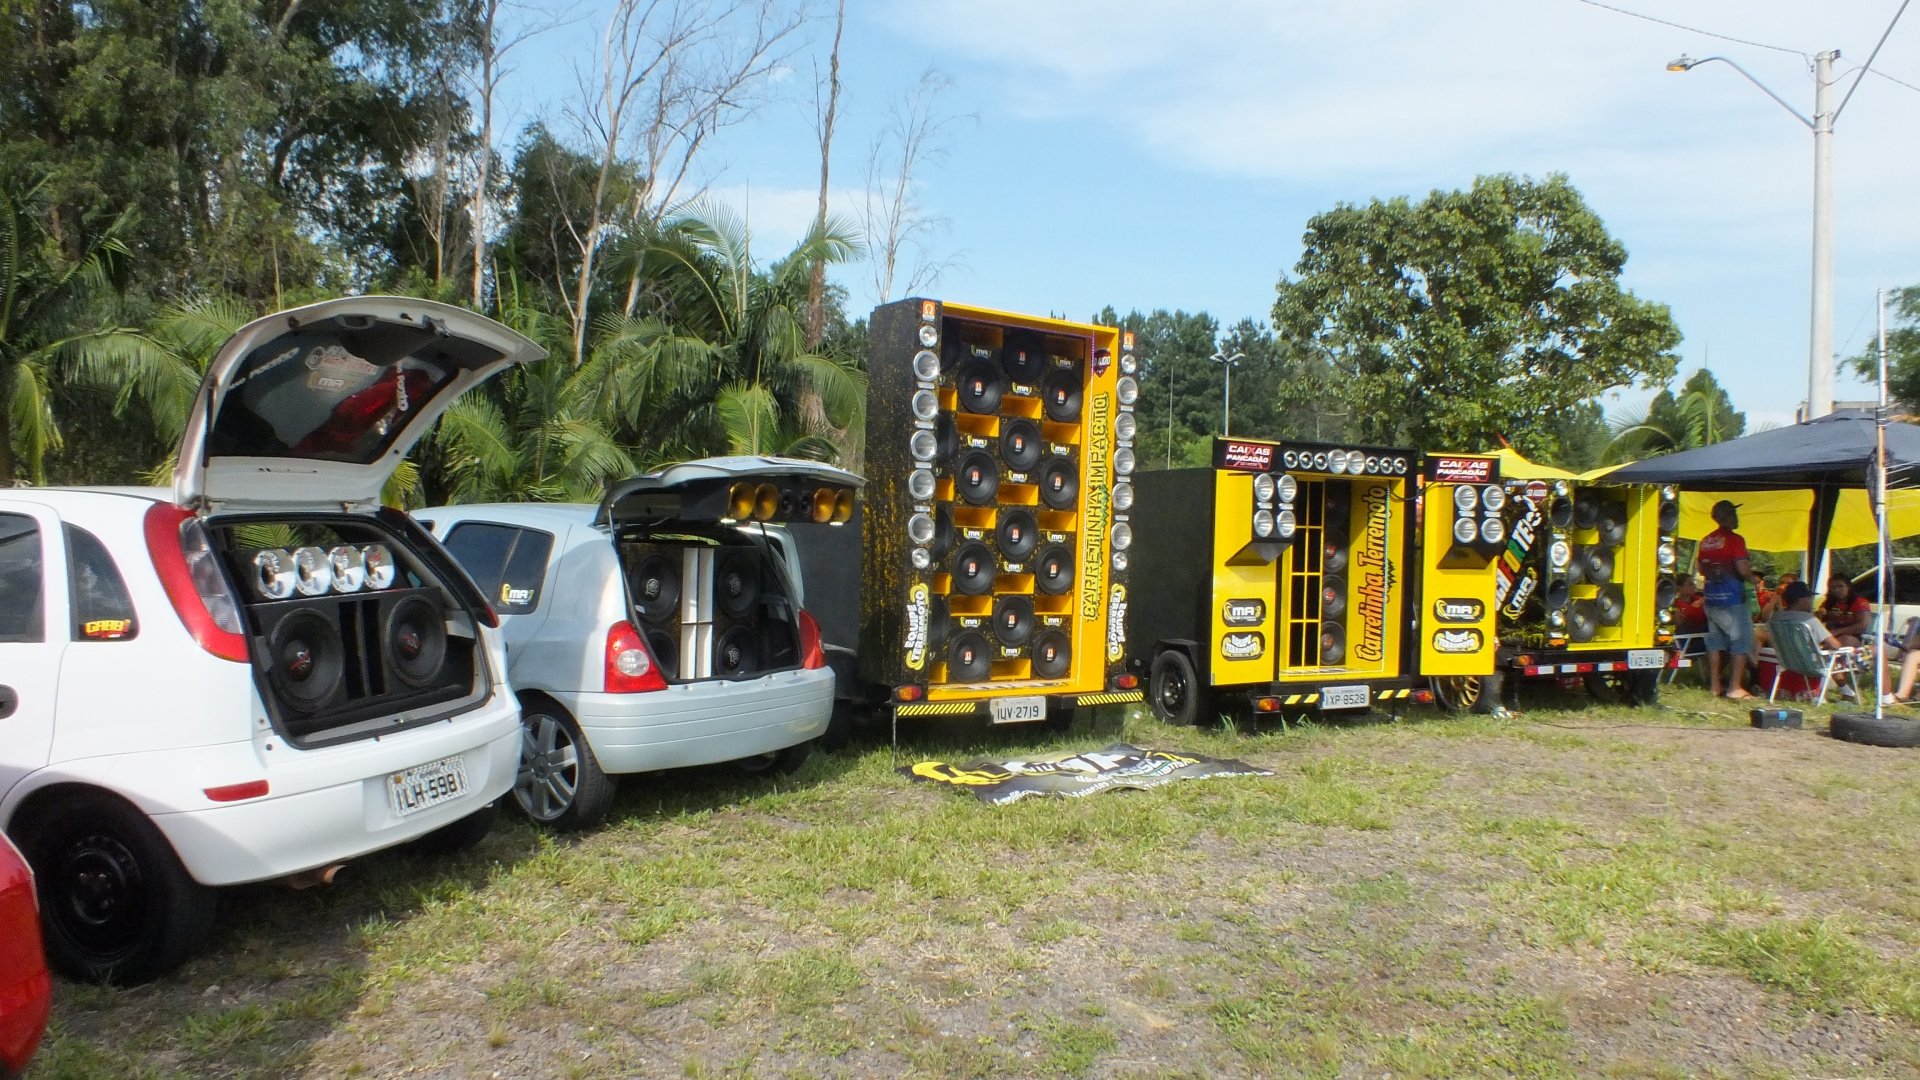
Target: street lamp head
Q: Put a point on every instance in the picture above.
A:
(1684, 63)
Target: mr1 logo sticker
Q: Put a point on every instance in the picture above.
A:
(1458, 611)
(1247, 646)
(1249, 612)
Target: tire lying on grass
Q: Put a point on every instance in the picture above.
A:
(1869, 730)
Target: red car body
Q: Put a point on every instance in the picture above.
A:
(26, 993)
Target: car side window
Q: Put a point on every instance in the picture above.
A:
(507, 563)
(21, 570)
(102, 607)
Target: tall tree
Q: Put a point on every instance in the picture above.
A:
(1701, 414)
(1903, 350)
(1451, 321)
(1179, 406)
(898, 226)
(826, 114)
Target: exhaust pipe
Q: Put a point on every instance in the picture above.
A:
(307, 879)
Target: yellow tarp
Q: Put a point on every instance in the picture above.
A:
(1777, 520)
(1769, 520)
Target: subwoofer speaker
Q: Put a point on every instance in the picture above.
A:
(654, 578)
(738, 651)
(1333, 557)
(980, 386)
(1586, 512)
(1013, 620)
(1053, 571)
(1333, 597)
(1052, 654)
(973, 569)
(946, 439)
(1024, 357)
(1059, 483)
(1333, 643)
(942, 531)
(736, 584)
(976, 479)
(413, 640)
(1613, 524)
(306, 659)
(1583, 620)
(664, 644)
(1016, 534)
(742, 634)
(1020, 443)
(1060, 396)
(1611, 605)
(1596, 564)
(969, 657)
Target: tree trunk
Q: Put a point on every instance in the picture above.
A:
(817, 281)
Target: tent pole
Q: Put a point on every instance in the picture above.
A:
(1882, 549)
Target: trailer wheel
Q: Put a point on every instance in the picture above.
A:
(1174, 689)
(1624, 687)
(1456, 693)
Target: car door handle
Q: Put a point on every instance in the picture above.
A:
(9, 701)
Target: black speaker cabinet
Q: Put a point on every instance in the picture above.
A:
(744, 638)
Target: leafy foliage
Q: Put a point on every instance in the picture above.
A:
(1700, 415)
(1469, 315)
(1903, 350)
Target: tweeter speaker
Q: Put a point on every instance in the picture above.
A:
(1558, 593)
(1669, 516)
(1665, 593)
(1560, 511)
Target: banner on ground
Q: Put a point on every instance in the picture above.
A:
(1074, 774)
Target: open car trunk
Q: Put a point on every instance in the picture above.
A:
(706, 566)
(355, 626)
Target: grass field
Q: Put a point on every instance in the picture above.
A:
(1580, 892)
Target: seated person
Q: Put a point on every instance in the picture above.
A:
(1797, 607)
(1690, 607)
(1762, 596)
(1845, 612)
(1775, 603)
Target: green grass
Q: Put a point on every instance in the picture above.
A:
(1432, 897)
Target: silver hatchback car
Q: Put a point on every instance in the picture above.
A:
(658, 630)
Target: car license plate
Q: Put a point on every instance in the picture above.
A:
(1645, 659)
(1345, 697)
(415, 789)
(1017, 710)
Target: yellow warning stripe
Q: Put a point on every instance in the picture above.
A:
(1393, 695)
(936, 708)
(1122, 697)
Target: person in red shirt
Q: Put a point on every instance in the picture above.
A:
(1689, 607)
(1723, 562)
(1845, 612)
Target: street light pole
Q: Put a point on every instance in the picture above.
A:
(1820, 335)
(1227, 364)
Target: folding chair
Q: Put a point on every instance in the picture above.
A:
(1799, 653)
(1693, 647)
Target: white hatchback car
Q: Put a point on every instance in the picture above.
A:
(260, 673)
(659, 630)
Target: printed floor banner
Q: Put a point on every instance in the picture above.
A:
(1071, 774)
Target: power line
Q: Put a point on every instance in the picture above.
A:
(1697, 30)
(1891, 79)
(1868, 66)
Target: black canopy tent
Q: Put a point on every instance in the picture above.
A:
(1827, 455)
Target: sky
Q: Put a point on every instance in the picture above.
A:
(1156, 154)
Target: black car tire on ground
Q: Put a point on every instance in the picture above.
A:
(116, 905)
(779, 763)
(560, 784)
(1869, 730)
(1623, 687)
(1174, 689)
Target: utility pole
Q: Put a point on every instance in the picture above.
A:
(1820, 349)
(1227, 364)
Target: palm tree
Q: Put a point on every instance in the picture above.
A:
(718, 359)
(538, 432)
(1700, 415)
(43, 296)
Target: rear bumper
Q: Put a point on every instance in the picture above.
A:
(982, 708)
(331, 804)
(1562, 662)
(703, 723)
(1332, 694)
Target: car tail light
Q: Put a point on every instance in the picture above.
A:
(908, 693)
(1127, 682)
(197, 587)
(812, 656)
(630, 667)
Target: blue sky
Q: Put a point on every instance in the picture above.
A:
(1157, 154)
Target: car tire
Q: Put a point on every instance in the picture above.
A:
(1174, 689)
(1632, 688)
(778, 763)
(560, 784)
(1869, 730)
(463, 835)
(116, 905)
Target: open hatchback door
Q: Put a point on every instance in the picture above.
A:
(314, 408)
(733, 490)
